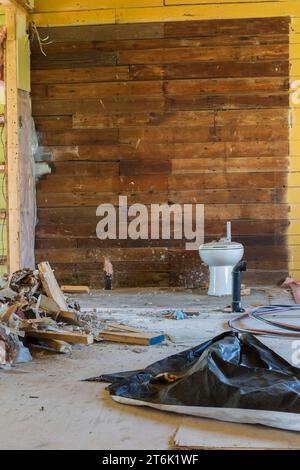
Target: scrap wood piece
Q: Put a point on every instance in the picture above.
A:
(9, 312)
(145, 339)
(53, 310)
(48, 305)
(121, 327)
(55, 344)
(63, 335)
(51, 286)
(37, 321)
(75, 289)
(69, 317)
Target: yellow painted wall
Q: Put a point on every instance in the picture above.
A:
(84, 12)
(64, 12)
(23, 46)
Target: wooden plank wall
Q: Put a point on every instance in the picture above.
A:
(192, 112)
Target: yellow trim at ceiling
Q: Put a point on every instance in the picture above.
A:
(67, 12)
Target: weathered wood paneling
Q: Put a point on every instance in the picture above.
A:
(191, 112)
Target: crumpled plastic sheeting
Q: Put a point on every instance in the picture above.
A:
(230, 371)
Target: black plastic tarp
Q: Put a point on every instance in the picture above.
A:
(230, 371)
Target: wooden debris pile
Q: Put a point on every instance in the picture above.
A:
(34, 312)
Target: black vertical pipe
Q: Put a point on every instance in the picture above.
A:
(236, 305)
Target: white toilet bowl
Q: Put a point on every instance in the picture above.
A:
(221, 257)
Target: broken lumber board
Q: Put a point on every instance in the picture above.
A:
(58, 345)
(67, 336)
(145, 339)
(69, 317)
(9, 312)
(52, 309)
(49, 305)
(51, 286)
(75, 289)
(120, 327)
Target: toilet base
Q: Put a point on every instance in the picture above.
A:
(220, 280)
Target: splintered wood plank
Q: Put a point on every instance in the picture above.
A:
(51, 286)
(63, 335)
(145, 339)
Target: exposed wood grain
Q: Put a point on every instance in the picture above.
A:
(250, 100)
(174, 55)
(105, 105)
(90, 47)
(99, 90)
(224, 69)
(189, 112)
(81, 75)
(62, 335)
(77, 137)
(109, 32)
(230, 85)
(50, 285)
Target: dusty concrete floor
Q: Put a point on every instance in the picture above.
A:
(45, 405)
